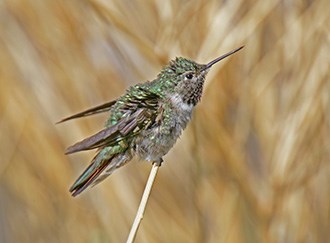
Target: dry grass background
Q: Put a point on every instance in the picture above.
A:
(253, 166)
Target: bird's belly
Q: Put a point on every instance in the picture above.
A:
(154, 147)
(155, 142)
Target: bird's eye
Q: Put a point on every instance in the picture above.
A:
(189, 76)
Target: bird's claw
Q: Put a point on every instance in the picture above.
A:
(158, 162)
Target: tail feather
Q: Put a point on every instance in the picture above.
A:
(90, 175)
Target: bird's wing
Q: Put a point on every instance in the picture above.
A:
(92, 111)
(139, 112)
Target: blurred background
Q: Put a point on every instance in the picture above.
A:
(252, 166)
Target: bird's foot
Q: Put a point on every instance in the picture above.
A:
(158, 162)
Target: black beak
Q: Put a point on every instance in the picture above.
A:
(220, 58)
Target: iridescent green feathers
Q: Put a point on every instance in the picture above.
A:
(135, 110)
(145, 121)
(170, 75)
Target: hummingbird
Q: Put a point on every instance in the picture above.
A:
(144, 122)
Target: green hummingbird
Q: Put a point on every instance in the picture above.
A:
(145, 122)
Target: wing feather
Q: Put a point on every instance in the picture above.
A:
(92, 111)
(140, 112)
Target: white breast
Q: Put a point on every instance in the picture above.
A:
(180, 105)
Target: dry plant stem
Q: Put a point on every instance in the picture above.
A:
(143, 203)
